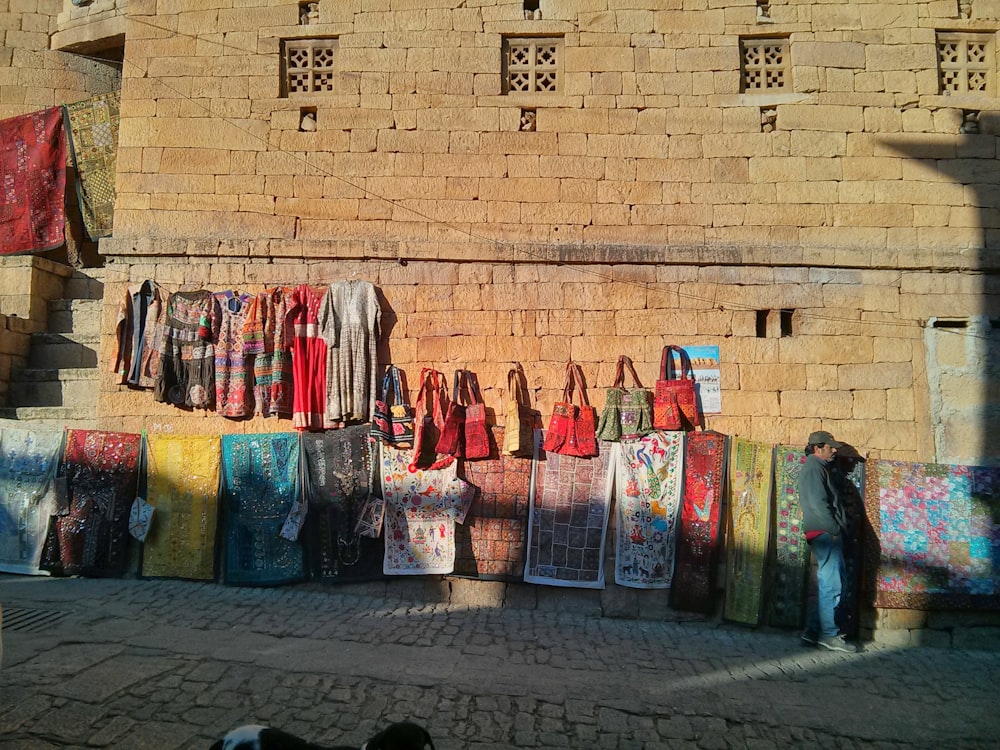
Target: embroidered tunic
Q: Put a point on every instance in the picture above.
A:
(308, 359)
(266, 338)
(349, 323)
(230, 364)
(187, 374)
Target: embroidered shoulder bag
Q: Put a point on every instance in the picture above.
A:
(627, 414)
(428, 421)
(675, 406)
(572, 428)
(519, 419)
(392, 421)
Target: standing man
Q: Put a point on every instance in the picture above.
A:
(825, 522)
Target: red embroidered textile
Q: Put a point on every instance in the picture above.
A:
(32, 182)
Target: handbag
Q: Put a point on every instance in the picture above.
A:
(519, 419)
(393, 422)
(572, 428)
(475, 434)
(428, 421)
(627, 414)
(675, 406)
(140, 516)
(450, 442)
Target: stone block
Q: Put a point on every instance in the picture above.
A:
(879, 375)
(802, 404)
(468, 593)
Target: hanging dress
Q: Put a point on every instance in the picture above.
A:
(308, 358)
(266, 340)
(187, 368)
(138, 335)
(349, 323)
(230, 364)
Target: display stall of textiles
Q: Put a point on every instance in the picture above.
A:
(751, 473)
(935, 535)
(89, 536)
(338, 474)
(260, 480)
(29, 459)
(33, 180)
(568, 521)
(92, 128)
(182, 484)
(492, 542)
(791, 552)
(701, 512)
(648, 481)
(422, 507)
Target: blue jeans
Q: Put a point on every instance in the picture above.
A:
(830, 573)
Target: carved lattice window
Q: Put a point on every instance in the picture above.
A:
(765, 64)
(965, 63)
(309, 65)
(532, 64)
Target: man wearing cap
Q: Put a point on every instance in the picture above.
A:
(825, 522)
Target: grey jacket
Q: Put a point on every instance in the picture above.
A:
(822, 509)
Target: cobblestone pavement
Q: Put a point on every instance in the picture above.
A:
(168, 664)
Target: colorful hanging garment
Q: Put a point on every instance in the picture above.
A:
(751, 471)
(421, 508)
(937, 532)
(32, 182)
(92, 127)
(492, 542)
(29, 459)
(308, 358)
(267, 339)
(90, 537)
(648, 483)
(182, 481)
(349, 324)
(338, 476)
(139, 335)
(848, 473)
(568, 520)
(698, 537)
(260, 483)
(231, 371)
(791, 560)
(187, 366)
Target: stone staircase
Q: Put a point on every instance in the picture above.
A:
(59, 385)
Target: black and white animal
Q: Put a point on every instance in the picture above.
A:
(403, 735)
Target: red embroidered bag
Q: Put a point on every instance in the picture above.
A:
(572, 428)
(476, 435)
(428, 421)
(675, 406)
(450, 442)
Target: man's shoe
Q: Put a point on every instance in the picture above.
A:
(836, 643)
(808, 638)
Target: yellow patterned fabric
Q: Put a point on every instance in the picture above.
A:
(751, 472)
(183, 486)
(93, 138)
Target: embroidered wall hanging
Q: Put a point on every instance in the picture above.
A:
(92, 128)
(791, 552)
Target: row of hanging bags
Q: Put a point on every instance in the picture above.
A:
(464, 434)
(519, 418)
(628, 414)
(392, 421)
(572, 428)
(675, 406)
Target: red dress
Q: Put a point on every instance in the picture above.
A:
(308, 358)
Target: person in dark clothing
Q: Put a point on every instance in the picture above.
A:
(825, 521)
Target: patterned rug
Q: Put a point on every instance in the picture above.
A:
(338, 476)
(90, 536)
(491, 544)
(32, 182)
(698, 536)
(29, 459)
(568, 519)
(648, 482)
(92, 127)
(791, 559)
(936, 534)
(422, 507)
(260, 483)
(182, 480)
(751, 472)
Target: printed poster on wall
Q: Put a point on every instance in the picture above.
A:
(708, 384)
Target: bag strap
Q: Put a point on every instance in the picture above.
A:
(666, 364)
(515, 384)
(456, 389)
(620, 373)
(577, 375)
(686, 371)
(397, 385)
(568, 384)
(386, 383)
(627, 362)
(472, 383)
